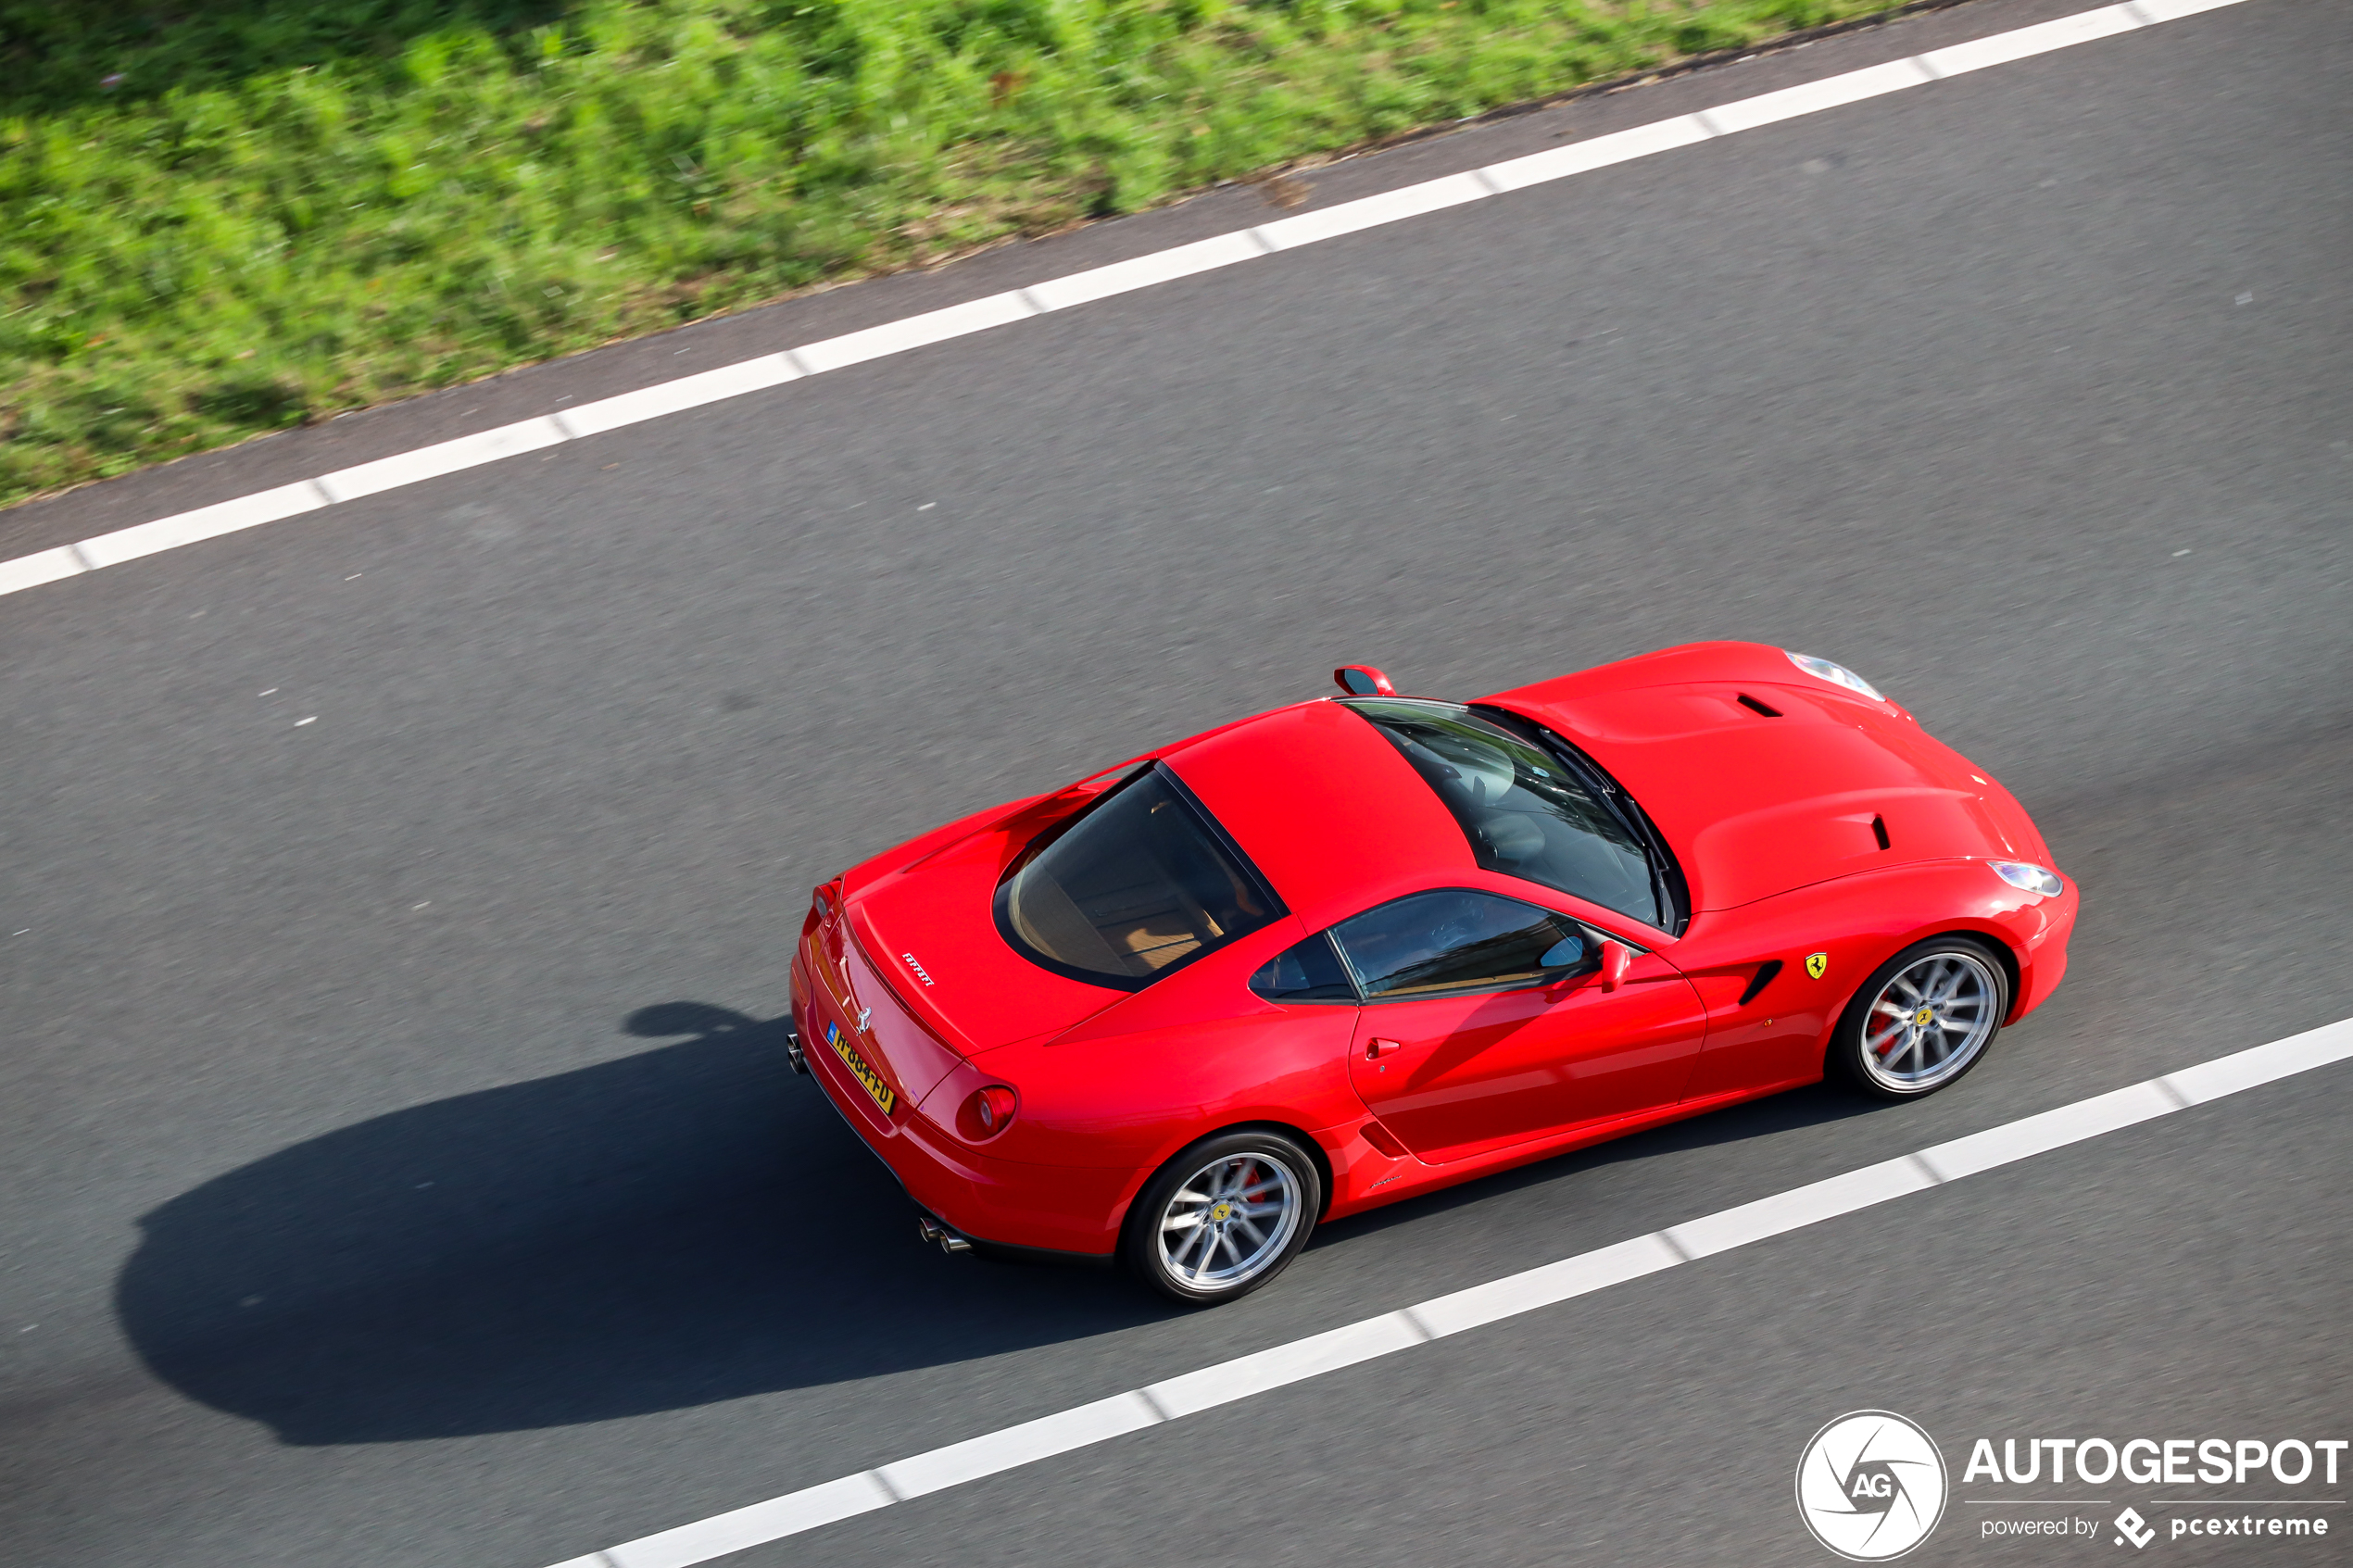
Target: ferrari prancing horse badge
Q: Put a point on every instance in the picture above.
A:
(1815, 963)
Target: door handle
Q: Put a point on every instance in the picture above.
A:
(1376, 1049)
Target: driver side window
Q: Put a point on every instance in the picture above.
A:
(1457, 938)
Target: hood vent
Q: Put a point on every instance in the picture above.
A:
(1755, 706)
(1879, 830)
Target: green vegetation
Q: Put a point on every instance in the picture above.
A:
(218, 217)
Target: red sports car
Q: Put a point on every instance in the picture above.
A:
(1367, 945)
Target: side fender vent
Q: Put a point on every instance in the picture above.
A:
(1755, 706)
(1758, 982)
(1879, 830)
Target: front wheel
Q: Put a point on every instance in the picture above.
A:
(1924, 1020)
(1224, 1217)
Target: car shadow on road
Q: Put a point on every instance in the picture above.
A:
(680, 1226)
(684, 1225)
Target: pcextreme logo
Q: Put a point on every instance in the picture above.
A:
(1871, 1485)
(2276, 1473)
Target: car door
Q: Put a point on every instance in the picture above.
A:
(1485, 1023)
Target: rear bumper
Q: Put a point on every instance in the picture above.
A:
(1069, 1212)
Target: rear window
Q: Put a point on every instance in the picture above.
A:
(1525, 812)
(1142, 882)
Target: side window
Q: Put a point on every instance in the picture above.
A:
(1458, 939)
(1306, 971)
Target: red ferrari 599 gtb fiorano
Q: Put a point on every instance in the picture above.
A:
(1368, 945)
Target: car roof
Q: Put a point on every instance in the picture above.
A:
(1326, 808)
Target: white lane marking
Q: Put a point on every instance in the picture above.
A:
(1175, 1398)
(2053, 1129)
(442, 456)
(1144, 272)
(1799, 1207)
(1601, 152)
(915, 332)
(1371, 212)
(205, 523)
(1831, 93)
(1546, 1286)
(1300, 1360)
(2155, 11)
(46, 566)
(733, 1531)
(1042, 1439)
(1084, 288)
(2042, 38)
(676, 396)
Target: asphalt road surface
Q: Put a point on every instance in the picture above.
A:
(396, 1166)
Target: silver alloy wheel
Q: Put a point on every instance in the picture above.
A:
(1930, 1021)
(1229, 1221)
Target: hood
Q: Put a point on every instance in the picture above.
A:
(1791, 787)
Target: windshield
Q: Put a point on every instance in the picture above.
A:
(1141, 883)
(1524, 810)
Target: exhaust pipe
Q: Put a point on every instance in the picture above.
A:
(932, 1230)
(792, 1052)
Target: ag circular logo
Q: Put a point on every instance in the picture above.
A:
(1870, 1486)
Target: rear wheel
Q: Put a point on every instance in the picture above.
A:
(1923, 1019)
(1224, 1217)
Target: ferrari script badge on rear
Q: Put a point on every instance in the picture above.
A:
(1817, 964)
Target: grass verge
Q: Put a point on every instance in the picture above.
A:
(224, 217)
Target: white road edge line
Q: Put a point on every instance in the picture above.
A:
(1081, 288)
(1175, 1398)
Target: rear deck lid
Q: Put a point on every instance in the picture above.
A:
(929, 938)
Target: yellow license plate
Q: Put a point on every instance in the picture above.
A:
(883, 1093)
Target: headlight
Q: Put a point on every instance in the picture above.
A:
(1836, 674)
(2029, 878)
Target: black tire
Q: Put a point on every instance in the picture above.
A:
(1962, 1023)
(1249, 1246)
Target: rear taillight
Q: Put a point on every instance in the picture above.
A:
(988, 1112)
(820, 908)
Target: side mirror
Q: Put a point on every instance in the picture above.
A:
(1363, 680)
(1571, 959)
(1567, 953)
(1617, 957)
